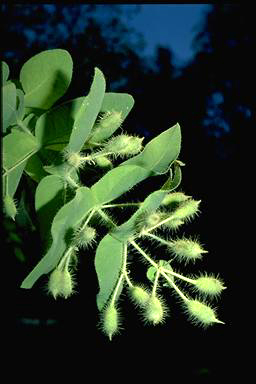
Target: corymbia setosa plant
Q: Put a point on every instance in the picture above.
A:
(56, 144)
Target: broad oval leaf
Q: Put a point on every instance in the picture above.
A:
(149, 205)
(12, 179)
(159, 153)
(9, 105)
(20, 109)
(118, 181)
(87, 113)
(53, 128)
(18, 147)
(67, 219)
(45, 77)
(34, 168)
(119, 102)
(49, 197)
(108, 264)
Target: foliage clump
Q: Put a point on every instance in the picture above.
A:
(56, 144)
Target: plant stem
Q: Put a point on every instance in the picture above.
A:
(173, 285)
(178, 275)
(144, 254)
(23, 127)
(123, 274)
(155, 282)
(121, 205)
(165, 242)
(106, 218)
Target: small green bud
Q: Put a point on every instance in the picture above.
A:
(85, 237)
(10, 207)
(110, 321)
(103, 161)
(175, 198)
(60, 283)
(186, 250)
(123, 145)
(154, 310)
(187, 210)
(200, 313)
(209, 285)
(139, 295)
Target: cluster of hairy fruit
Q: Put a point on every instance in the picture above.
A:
(177, 209)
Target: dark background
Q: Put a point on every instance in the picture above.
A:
(213, 99)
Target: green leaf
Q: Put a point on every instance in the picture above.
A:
(49, 198)
(152, 271)
(12, 179)
(159, 153)
(30, 121)
(118, 181)
(20, 110)
(108, 264)
(5, 72)
(173, 182)
(87, 113)
(34, 168)
(149, 205)
(18, 147)
(119, 102)
(68, 218)
(9, 105)
(45, 77)
(54, 127)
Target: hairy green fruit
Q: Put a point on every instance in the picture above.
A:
(173, 199)
(186, 250)
(200, 313)
(124, 145)
(60, 283)
(209, 285)
(85, 237)
(139, 296)
(187, 210)
(154, 311)
(110, 321)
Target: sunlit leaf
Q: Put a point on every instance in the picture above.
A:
(118, 181)
(88, 112)
(108, 264)
(18, 147)
(9, 105)
(160, 152)
(45, 77)
(65, 221)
